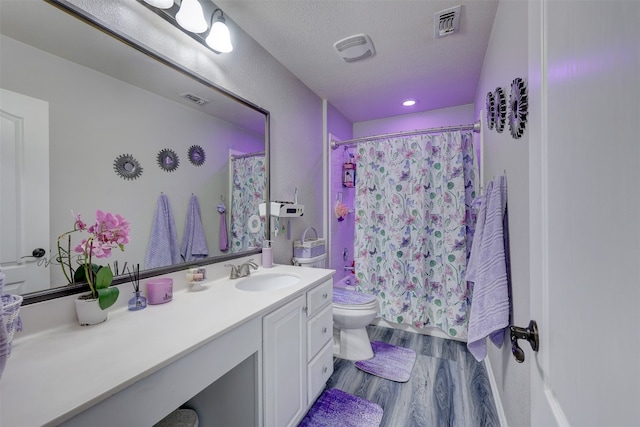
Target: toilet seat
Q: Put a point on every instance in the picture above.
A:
(352, 300)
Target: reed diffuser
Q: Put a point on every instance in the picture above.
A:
(138, 302)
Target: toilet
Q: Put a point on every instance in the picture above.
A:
(352, 312)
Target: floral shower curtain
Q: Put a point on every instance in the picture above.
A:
(248, 191)
(414, 225)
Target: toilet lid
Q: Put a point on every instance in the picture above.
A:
(346, 297)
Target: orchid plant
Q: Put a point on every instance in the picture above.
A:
(107, 233)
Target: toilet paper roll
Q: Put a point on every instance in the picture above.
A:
(254, 224)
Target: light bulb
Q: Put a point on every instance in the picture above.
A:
(219, 38)
(190, 16)
(160, 4)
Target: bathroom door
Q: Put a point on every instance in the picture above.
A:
(24, 192)
(584, 198)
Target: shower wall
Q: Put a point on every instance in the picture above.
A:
(340, 233)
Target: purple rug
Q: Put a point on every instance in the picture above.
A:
(389, 362)
(335, 408)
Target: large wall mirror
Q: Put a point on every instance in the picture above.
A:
(117, 129)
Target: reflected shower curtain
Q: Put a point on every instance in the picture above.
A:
(248, 191)
(414, 225)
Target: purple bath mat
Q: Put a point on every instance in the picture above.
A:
(389, 362)
(335, 408)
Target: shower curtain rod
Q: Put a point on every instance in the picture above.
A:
(473, 126)
(244, 156)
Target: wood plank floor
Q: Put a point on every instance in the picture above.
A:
(448, 387)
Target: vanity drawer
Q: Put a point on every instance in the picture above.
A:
(320, 369)
(319, 331)
(318, 297)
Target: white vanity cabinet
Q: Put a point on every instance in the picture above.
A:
(297, 355)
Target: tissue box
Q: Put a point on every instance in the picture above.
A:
(159, 290)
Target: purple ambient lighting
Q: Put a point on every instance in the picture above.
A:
(409, 102)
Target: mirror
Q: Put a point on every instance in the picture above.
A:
(125, 127)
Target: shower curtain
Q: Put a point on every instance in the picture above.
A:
(414, 226)
(247, 192)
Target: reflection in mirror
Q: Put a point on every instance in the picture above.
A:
(111, 111)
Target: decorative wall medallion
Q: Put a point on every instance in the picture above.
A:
(196, 155)
(127, 167)
(491, 110)
(501, 109)
(518, 107)
(168, 160)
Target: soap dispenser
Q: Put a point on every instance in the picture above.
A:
(267, 255)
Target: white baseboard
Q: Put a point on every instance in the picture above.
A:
(494, 391)
(432, 331)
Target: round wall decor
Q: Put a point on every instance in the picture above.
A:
(168, 160)
(518, 106)
(501, 109)
(491, 110)
(127, 167)
(196, 155)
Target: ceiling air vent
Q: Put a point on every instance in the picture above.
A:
(446, 22)
(355, 48)
(194, 98)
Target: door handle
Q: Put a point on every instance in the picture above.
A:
(530, 334)
(36, 253)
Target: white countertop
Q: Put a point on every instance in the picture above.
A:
(50, 375)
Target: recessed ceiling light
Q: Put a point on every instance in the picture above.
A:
(409, 102)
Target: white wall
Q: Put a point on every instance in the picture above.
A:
(95, 118)
(506, 59)
(252, 73)
(461, 115)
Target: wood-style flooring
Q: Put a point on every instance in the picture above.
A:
(448, 387)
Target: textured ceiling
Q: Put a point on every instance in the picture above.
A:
(409, 62)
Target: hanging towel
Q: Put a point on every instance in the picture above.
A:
(163, 246)
(224, 239)
(194, 242)
(488, 270)
(5, 347)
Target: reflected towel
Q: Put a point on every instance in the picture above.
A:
(5, 348)
(488, 269)
(194, 242)
(224, 238)
(163, 246)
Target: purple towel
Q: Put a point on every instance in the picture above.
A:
(5, 349)
(194, 241)
(163, 246)
(488, 269)
(224, 239)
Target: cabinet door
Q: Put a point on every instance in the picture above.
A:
(285, 365)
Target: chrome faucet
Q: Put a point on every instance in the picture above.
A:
(245, 269)
(234, 271)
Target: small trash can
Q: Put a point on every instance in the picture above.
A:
(179, 418)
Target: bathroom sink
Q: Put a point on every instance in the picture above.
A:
(266, 282)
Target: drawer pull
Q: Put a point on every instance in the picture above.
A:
(324, 369)
(325, 295)
(324, 330)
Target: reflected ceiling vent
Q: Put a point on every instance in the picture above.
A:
(446, 22)
(194, 98)
(355, 48)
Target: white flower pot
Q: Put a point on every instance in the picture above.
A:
(88, 311)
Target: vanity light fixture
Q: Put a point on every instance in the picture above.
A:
(189, 16)
(160, 4)
(219, 38)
